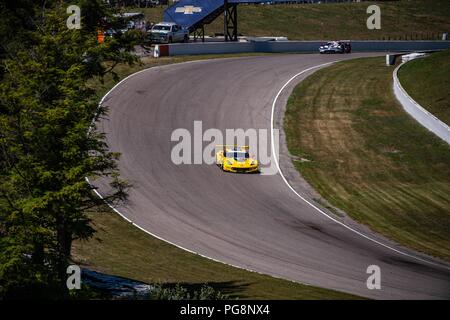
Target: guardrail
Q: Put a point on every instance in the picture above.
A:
(419, 113)
(298, 46)
(178, 49)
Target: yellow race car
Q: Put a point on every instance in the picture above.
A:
(235, 159)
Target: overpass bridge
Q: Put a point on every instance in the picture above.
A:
(195, 14)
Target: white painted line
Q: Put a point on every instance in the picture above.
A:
(109, 205)
(194, 252)
(186, 249)
(311, 204)
(151, 233)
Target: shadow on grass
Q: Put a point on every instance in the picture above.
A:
(115, 287)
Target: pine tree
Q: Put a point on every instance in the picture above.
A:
(46, 109)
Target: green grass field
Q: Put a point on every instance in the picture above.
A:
(399, 19)
(368, 157)
(121, 249)
(427, 81)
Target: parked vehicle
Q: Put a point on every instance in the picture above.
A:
(168, 32)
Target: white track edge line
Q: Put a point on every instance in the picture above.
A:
(311, 204)
(189, 250)
(165, 240)
(200, 254)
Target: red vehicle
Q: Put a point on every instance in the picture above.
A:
(346, 45)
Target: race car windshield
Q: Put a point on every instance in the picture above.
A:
(163, 28)
(237, 155)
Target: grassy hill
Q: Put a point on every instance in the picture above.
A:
(427, 81)
(399, 19)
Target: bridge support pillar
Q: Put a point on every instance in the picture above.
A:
(199, 33)
(230, 21)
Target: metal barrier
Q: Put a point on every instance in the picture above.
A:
(421, 115)
(210, 48)
(301, 46)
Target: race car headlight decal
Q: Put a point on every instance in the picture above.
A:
(229, 162)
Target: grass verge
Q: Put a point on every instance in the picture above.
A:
(427, 81)
(416, 19)
(368, 157)
(121, 249)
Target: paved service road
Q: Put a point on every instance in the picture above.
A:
(252, 221)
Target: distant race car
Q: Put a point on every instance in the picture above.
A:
(336, 47)
(235, 159)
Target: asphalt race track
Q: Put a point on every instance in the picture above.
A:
(251, 221)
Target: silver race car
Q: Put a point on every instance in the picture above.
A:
(335, 47)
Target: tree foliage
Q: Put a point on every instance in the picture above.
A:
(46, 110)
